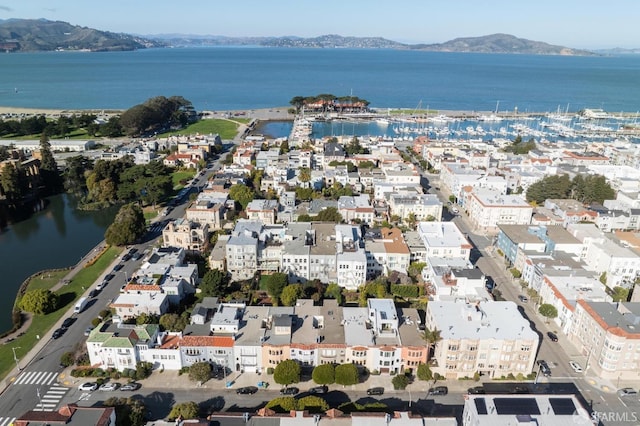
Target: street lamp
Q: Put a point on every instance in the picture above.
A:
(125, 278)
(15, 358)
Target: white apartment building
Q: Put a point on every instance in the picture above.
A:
(351, 258)
(444, 239)
(487, 209)
(422, 206)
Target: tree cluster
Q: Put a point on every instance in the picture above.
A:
(518, 147)
(129, 411)
(155, 115)
(586, 189)
(285, 404)
(121, 180)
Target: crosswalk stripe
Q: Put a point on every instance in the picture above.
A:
(36, 378)
(6, 421)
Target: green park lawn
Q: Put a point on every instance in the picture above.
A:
(225, 128)
(68, 295)
(179, 175)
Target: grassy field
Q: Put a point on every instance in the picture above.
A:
(225, 128)
(41, 324)
(179, 175)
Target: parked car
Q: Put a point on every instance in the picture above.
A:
(118, 267)
(375, 391)
(88, 387)
(319, 389)
(87, 331)
(523, 299)
(108, 277)
(575, 366)
(94, 292)
(130, 386)
(58, 332)
(477, 390)
(552, 336)
(289, 391)
(247, 390)
(68, 322)
(438, 390)
(627, 392)
(544, 367)
(111, 386)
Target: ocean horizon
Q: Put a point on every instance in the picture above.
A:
(245, 78)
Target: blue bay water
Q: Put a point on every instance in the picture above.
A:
(248, 78)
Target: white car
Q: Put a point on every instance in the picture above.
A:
(88, 387)
(575, 366)
(111, 386)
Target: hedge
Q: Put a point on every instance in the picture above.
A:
(404, 290)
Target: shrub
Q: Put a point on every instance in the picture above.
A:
(405, 291)
(83, 359)
(143, 370)
(400, 382)
(270, 370)
(67, 359)
(96, 322)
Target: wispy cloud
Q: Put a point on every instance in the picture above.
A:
(6, 8)
(51, 10)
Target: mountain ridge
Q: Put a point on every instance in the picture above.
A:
(44, 35)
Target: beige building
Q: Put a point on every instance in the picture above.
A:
(186, 234)
(609, 336)
(489, 338)
(488, 208)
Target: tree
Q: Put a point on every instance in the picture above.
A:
(415, 269)
(400, 382)
(330, 214)
(145, 318)
(432, 337)
(39, 301)
(214, 283)
(424, 372)
(324, 374)
(10, 182)
(68, 359)
(241, 194)
(174, 322)
(74, 173)
(304, 175)
(312, 404)
(412, 220)
(200, 372)
(184, 410)
(347, 374)
(276, 283)
(287, 372)
(127, 227)
(290, 294)
(129, 411)
(548, 311)
(283, 404)
(334, 291)
(620, 294)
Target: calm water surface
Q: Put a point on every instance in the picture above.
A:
(54, 238)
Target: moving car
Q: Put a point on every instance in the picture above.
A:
(130, 386)
(438, 390)
(523, 299)
(58, 332)
(375, 391)
(88, 387)
(575, 366)
(289, 391)
(87, 331)
(247, 390)
(552, 336)
(627, 392)
(319, 389)
(544, 367)
(111, 386)
(68, 322)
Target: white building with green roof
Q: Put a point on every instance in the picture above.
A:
(119, 346)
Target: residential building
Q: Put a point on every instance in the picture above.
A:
(356, 209)
(189, 235)
(121, 346)
(489, 338)
(539, 409)
(609, 336)
(571, 211)
(264, 211)
(422, 206)
(351, 259)
(131, 305)
(69, 414)
(386, 252)
(487, 209)
(444, 239)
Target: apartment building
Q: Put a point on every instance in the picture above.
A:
(490, 338)
(386, 252)
(422, 206)
(186, 234)
(608, 334)
(488, 208)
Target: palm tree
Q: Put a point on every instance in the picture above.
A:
(432, 337)
(304, 176)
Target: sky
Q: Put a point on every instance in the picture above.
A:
(581, 24)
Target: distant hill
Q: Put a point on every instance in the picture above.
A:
(28, 35)
(500, 43)
(496, 43)
(324, 41)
